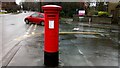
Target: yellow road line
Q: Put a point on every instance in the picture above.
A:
(61, 33)
(78, 33)
(22, 37)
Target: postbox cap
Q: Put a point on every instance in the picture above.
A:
(51, 7)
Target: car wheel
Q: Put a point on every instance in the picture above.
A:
(27, 21)
(42, 23)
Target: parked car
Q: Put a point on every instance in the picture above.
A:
(36, 17)
(81, 12)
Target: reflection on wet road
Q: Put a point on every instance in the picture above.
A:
(78, 46)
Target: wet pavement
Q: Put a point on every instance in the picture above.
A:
(74, 49)
(0, 41)
(13, 26)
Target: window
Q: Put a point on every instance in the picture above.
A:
(35, 15)
(41, 16)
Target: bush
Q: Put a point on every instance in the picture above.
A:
(92, 12)
(62, 13)
(96, 13)
(103, 13)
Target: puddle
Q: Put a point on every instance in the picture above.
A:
(12, 24)
(67, 37)
(86, 36)
(115, 31)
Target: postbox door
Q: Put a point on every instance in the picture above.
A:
(51, 29)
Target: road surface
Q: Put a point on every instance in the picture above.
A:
(11, 27)
(97, 47)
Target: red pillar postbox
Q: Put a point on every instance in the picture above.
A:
(51, 35)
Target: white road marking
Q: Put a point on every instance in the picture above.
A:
(33, 32)
(29, 29)
(102, 35)
(30, 32)
(87, 61)
(80, 52)
(79, 33)
(35, 27)
(76, 29)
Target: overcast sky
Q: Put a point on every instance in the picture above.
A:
(18, 1)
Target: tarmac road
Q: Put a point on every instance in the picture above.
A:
(13, 26)
(76, 49)
(0, 41)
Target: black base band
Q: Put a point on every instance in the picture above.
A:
(51, 59)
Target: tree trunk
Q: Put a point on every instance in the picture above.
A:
(115, 18)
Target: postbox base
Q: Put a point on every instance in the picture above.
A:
(51, 59)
